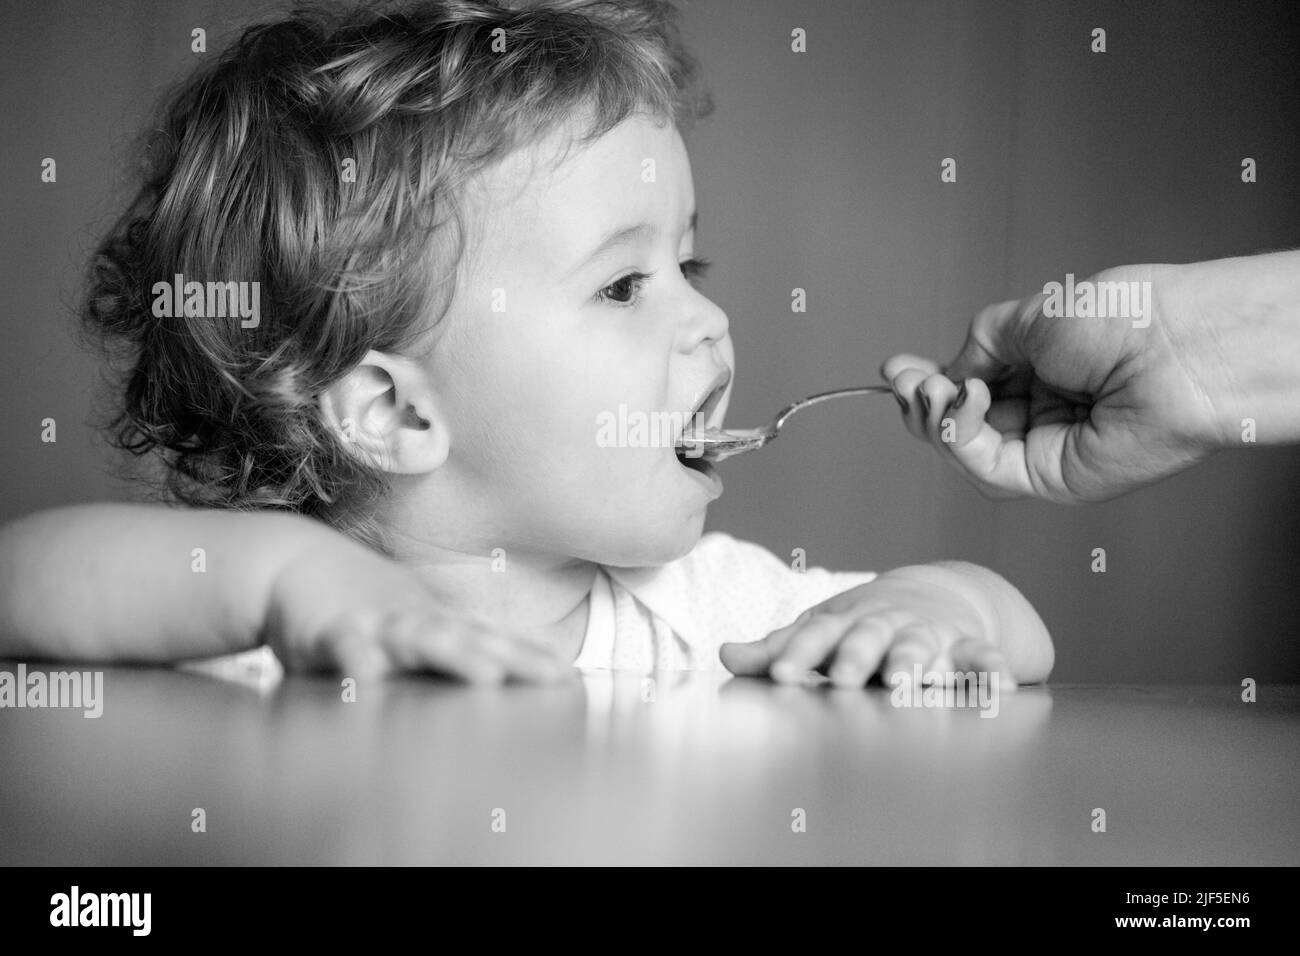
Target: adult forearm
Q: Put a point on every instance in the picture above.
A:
(1236, 324)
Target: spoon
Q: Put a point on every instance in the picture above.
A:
(716, 444)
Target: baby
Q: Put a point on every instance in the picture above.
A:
(448, 242)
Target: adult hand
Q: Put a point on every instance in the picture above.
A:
(1075, 408)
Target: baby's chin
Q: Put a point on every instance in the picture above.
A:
(658, 546)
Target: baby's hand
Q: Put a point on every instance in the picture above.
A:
(914, 615)
(351, 610)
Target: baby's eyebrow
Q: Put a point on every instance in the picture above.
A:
(625, 235)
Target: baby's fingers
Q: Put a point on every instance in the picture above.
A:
(915, 644)
(809, 647)
(465, 649)
(788, 653)
(859, 653)
(523, 658)
(754, 659)
(984, 659)
(417, 644)
(357, 655)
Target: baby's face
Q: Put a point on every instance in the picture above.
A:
(545, 341)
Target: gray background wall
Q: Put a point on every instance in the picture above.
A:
(821, 171)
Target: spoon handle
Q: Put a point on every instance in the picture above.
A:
(824, 396)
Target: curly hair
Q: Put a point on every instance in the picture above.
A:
(242, 181)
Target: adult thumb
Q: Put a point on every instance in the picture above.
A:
(994, 343)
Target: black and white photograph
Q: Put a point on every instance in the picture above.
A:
(651, 433)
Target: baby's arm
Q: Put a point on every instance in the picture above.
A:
(946, 615)
(117, 582)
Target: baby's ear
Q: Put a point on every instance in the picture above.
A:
(386, 413)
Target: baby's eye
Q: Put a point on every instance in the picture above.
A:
(627, 289)
(696, 268)
(623, 291)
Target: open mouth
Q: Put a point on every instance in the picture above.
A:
(697, 463)
(694, 456)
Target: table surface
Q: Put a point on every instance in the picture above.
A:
(666, 768)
